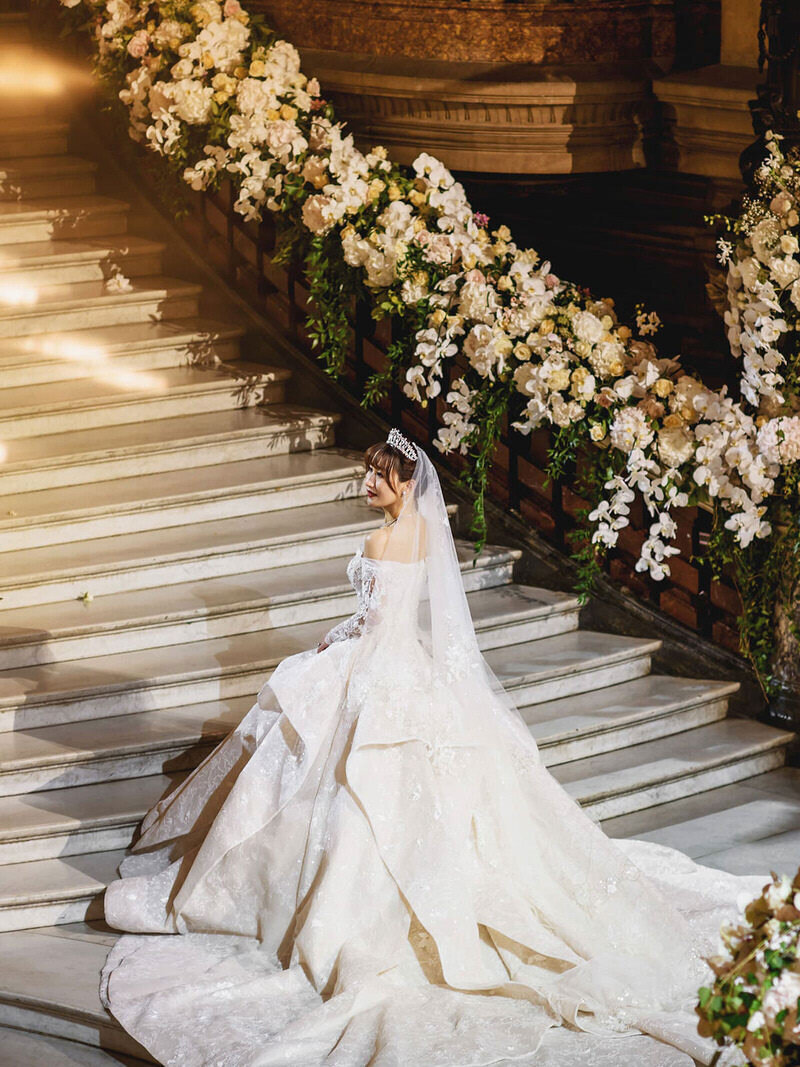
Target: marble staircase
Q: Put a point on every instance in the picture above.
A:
(162, 549)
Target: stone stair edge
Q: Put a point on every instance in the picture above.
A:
(179, 499)
(211, 379)
(280, 423)
(492, 556)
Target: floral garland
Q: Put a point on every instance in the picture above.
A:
(214, 91)
(753, 1002)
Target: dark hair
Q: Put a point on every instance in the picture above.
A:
(393, 464)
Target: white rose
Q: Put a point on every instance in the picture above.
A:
(588, 327)
(675, 446)
(784, 270)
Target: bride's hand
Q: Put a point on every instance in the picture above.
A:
(322, 646)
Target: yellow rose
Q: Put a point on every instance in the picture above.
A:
(616, 368)
(522, 351)
(606, 322)
(546, 326)
(376, 187)
(220, 96)
(663, 387)
(623, 333)
(558, 379)
(438, 317)
(500, 248)
(395, 191)
(258, 69)
(417, 198)
(597, 431)
(502, 233)
(419, 225)
(469, 261)
(505, 284)
(288, 112)
(482, 237)
(208, 60)
(503, 345)
(673, 421)
(379, 151)
(688, 413)
(583, 348)
(272, 114)
(240, 72)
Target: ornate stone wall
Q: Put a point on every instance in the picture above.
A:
(493, 31)
(491, 86)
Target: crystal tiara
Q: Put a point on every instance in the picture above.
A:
(402, 444)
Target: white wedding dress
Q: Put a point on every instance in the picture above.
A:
(375, 868)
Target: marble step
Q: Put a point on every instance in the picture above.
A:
(226, 668)
(32, 135)
(86, 304)
(35, 177)
(45, 218)
(84, 404)
(50, 892)
(220, 607)
(114, 353)
(113, 684)
(86, 456)
(49, 985)
(95, 750)
(30, 268)
(618, 783)
(564, 665)
(629, 713)
(19, 1048)
(176, 498)
(100, 817)
(750, 827)
(177, 554)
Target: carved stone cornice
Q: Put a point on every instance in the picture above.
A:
(490, 117)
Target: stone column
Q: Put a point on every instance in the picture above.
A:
(705, 111)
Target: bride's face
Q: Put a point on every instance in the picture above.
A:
(380, 493)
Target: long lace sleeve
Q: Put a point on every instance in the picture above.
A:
(354, 625)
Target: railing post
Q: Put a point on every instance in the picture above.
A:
(701, 534)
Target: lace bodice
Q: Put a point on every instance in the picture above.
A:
(385, 590)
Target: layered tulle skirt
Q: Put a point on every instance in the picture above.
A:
(369, 872)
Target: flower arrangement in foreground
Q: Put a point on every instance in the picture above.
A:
(754, 1000)
(213, 90)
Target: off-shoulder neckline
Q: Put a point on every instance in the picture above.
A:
(399, 562)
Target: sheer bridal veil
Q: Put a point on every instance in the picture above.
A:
(422, 532)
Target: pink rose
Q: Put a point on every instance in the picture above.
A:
(138, 44)
(551, 281)
(475, 276)
(231, 8)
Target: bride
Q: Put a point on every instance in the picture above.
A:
(375, 868)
